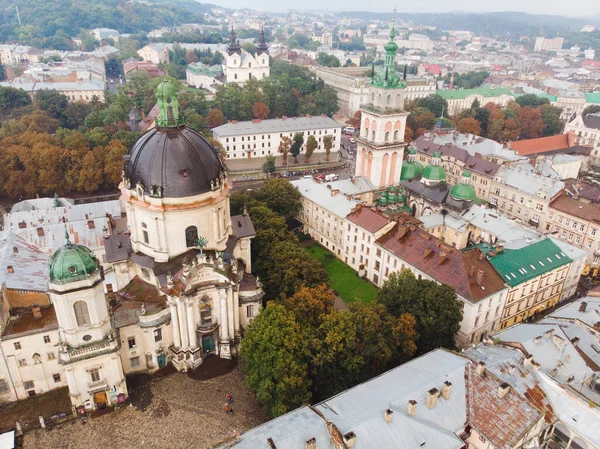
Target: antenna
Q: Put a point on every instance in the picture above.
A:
(18, 15)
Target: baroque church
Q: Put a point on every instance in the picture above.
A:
(241, 66)
(182, 289)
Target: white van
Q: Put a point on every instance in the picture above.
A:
(331, 177)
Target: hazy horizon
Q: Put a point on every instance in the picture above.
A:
(578, 8)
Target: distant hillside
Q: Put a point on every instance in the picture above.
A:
(495, 23)
(49, 23)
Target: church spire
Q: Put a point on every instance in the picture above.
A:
(262, 46)
(234, 44)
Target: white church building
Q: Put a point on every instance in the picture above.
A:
(181, 287)
(241, 66)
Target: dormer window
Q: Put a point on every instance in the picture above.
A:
(15, 250)
(91, 224)
(10, 269)
(40, 232)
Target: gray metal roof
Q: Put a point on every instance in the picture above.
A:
(590, 316)
(530, 183)
(28, 264)
(277, 125)
(498, 225)
(242, 226)
(353, 186)
(475, 144)
(322, 196)
(434, 220)
(37, 203)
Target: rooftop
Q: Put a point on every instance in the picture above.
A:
(540, 145)
(520, 265)
(289, 124)
(317, 192)
(531, 183)
(576, 208)
(22, 266)
(498, 225)
(368, 219)
(473, 145)
(27, 324)
(485, 91)
(242, 226)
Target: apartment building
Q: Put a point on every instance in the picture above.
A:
(536, 276)
(523, 194)
(462, 99)
(260, 138)
(587, 132)
(84, 91)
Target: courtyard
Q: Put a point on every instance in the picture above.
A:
(342, 278)
(171, 410)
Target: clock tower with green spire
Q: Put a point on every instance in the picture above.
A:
(383, 122)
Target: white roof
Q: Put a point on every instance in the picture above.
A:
(353, 186)
(498, 225)
(590, 316)
(530, 183)
(7, 440)
(74, 86)
(475, 144)
(29, 264)
(319, 194)
(276, 125)
(434, 220)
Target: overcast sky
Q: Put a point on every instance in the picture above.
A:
(581, 8)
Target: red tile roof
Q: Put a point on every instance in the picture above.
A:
(434, 69)
(368, 219)
(568, 205)
(541, 144)
(446, 265)
(502, 421)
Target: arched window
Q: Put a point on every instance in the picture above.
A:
(388, 100)
(366, 133)
(395, 135)
(373, 96)
(82, 315)
(373, 135)
(387, 136)
(249, 65)
(235, 76)
(191, 235)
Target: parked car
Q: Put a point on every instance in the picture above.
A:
(321, 176)
(331, 177)
(349, 130)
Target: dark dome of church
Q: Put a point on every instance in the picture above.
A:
(173, 162)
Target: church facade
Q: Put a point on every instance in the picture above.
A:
(182, 286)
(241, 66)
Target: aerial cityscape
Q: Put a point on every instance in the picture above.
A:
(277, 226)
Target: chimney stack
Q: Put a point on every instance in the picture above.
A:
(479, 277)
(388, 415)
(480, 368)
(37, 313)
(472, 270)
(575, 341)
(311, 444)
(527, 360)
(446, 389)
(549, 333)
(441, 257)
(503, 390)
(511, 370)
(412, 407)
(349, 439)
(432, 396)
(582, 306)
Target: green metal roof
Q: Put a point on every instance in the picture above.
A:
(592, 98)
(485, 91)
(410, 170)
(464, 192)
(201, 69)
(434, 173)
(72, 263)
(520, 265)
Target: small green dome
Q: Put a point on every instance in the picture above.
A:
(410, 170)
(391, 46)
(401, 198)
(412, 150)
(437, 154)
(166, 90)
(466, 174)
(465, 192)
(393, 197)
(434, 173)
(382, 201)
(72, 263)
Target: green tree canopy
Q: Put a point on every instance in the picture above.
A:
(531, 100)
(280, 196)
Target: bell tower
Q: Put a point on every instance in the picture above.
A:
(383, 122)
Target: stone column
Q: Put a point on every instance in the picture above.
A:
(223, 334)
(182, 324)
(175, 321)
(236, 312)
(231, 311)
(190, 323)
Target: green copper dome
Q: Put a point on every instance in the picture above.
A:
(410, 170)
(412, 150)
(401, 198)
(72, 263)
(462, 191)
(382, 201)
(434, 173)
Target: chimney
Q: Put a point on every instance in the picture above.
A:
(480, 368)
(349, 439)
(271, 443)
(575, 341)
(388, 415)
(527, 360)
(441, 257)
(37, 313)
(256, 120)
(537, 339)
(481, 256)
(412, 407)
(536, 366)
(432, 396)
(480, 277)
(558, 341)
(311, 444)
(549, 333)
(446, 389)
(472, 270)
(571, 138)
(570, 380)
(234, 122)
(427, 253)
(511, 369)
(582, 306)
(503, 390)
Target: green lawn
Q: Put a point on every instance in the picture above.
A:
(343, 279)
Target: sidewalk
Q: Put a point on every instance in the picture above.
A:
(243, 165)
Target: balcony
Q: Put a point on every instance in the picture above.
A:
(70, 354)
(207, 327)
(97, 386)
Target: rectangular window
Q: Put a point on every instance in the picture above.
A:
(51, 356)
(95, 374)
(249, 311)
(28, 384)
(494, 201)
(17, 344)
(377, 265)
(157, 335)
(134, 361)
(56, 378)
(46, 338)
(22, 362)
(146, 237)
(131, 343)
(3, 386)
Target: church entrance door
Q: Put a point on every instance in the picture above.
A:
(100, 399)
(162, 360)
(208, 344)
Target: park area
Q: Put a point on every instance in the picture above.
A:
(343, 279)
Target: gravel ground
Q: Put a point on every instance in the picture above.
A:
(176, 411)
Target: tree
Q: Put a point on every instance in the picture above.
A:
(593, 109)
(260, 110)
(408, 134)
(551, 117)
(275, 355)
(531, 100)
(435, 307)
(327, 60)
(425, 121)
(113, 163)
(281, 197)
(482, 116)
(11, 99)
(249, 47)
(355, 120)
(311, 146)
(269, 165)
(53, 102)
(284, 147)
(75, 114)
(531, 122)
(469, 126)
(328, 145)
(310, 305)
(215, 118)
(435, 104)
(296, 147)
